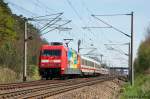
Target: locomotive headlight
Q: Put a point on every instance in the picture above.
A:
(44, 61)
(62, 68)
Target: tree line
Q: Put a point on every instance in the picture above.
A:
(12, 40)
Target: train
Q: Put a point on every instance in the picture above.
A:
(58, 60)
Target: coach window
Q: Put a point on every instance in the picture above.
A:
(86, 63)
(89, 63)
(92, 64)
(83, 62)
(96, 66)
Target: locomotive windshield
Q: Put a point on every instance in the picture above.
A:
(51, 53)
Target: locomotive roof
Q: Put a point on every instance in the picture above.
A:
(52, 46)
(89, 59)
(57, 46)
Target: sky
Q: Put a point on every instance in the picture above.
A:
(80, 11)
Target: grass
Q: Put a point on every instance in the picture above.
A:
(7, 76)
(140, 90)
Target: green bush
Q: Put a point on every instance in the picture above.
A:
(141, 88)
(33, 72)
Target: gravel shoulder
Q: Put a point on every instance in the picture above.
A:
(102, 90)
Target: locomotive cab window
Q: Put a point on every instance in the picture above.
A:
(51, 53)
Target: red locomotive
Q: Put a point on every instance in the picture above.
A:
(57, 60)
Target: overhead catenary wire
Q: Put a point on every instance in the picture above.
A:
(117, 50)
(44, 5)
(97, 27)
(111, 14)
(59, 29)
(41, 5)
(56, 27)
(89, 13)
(75, 34)
(48, 15)
(56, 20)
(111, 26)
(40, 17)
(84, 23)
(33, 14)
(70, 4)
(49, 23)
(21, 8)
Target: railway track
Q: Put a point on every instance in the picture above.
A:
(49, 89)
(10, 86)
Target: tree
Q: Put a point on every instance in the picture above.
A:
(142, 62)
(7, 31)
(12, 40)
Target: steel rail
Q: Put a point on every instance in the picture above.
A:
(42, 90)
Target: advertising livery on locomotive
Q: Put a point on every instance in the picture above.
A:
(57, 60)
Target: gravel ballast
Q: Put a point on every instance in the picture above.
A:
(102, 90)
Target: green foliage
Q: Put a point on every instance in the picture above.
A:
(144, 56)
(141, 88)
(12, 42)
(142, 62)
(33, 72)
(7, 31)
(10, 58)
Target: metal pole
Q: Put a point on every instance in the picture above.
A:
(132, 67)
(67, 43)
(129, 62)
(25, 53)
(101, 58)
(79, 43)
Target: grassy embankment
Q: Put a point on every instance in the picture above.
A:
(9, 76)
(140, 90)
